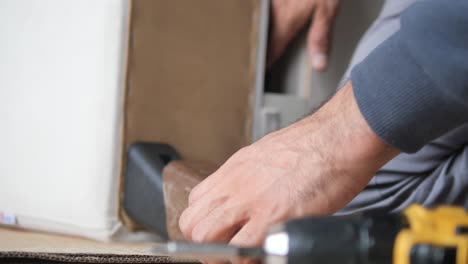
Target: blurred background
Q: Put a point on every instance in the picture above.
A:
(306, 89)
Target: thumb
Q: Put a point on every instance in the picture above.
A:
(250, 235)
(319, 37)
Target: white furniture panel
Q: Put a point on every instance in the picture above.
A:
(61, 87)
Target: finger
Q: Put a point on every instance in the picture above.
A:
(216, 178)
(195, 213)
(213, 261)
(220, 225)
(287, 19)
(245, 261)
(251, 234)
(203, 187)
(319, 37)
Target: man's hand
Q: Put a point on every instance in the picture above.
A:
(314, 167)
(290, 16)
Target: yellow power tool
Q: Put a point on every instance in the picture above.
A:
(439, 235)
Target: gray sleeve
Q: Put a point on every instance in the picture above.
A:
(414, 86)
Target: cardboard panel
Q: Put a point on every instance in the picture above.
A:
(191, 75)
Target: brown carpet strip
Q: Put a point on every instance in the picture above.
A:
(62, 258)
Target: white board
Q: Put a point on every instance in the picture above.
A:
(61, 88)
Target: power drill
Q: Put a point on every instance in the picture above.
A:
(417, 236)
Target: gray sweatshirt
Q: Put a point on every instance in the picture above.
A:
(414, 87)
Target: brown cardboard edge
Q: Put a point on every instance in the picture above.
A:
(260, 61)
(250, 110)
(122, 214)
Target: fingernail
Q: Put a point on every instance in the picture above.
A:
(319, 61)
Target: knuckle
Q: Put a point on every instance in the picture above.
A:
(184, 222)
(192, 195)
(319, 40)
(330, 5)
(245, 150)
(333, 4)
(199, 233)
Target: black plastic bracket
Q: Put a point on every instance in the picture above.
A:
(143, 197)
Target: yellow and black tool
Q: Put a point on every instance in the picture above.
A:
(433, 236)
(417, 236)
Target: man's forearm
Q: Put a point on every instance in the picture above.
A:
(414, 87)
(339, 133)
